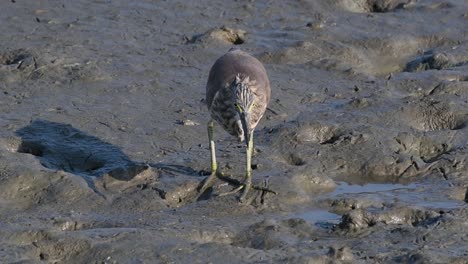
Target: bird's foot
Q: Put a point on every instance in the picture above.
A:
(209, 181)
(246, 189)
(236, 190)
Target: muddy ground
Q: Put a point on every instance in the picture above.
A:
(103, 132)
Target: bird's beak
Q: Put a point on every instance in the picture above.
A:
(245, 121)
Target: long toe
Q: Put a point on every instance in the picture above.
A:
(236, 190)
(207, 183)
(243, 197)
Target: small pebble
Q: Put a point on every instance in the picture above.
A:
(188, 122)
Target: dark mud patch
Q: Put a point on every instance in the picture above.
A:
(374, 6)
(383, 6)
(295, 160)
(20, 58)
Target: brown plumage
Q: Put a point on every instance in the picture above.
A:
(237, 95)
(222, 75)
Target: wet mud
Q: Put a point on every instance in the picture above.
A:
(103, 142)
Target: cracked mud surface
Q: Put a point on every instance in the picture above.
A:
(103, 141)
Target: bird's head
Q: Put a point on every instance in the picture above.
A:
(244, 102)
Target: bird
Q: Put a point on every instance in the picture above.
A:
(237, 95)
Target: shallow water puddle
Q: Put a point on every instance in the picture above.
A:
(319, 217)
(325, 219)
(346, 188)
(452, 204)
(415, 194)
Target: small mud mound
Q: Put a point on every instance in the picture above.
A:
(177, 191)
(222, 34)
(306, 182)
(270, 234)
(162, 185)
(62, 147)
(452, 87)
(432, 115)
(303, 131)
(86, 71)
(16, 57)
(315, 132)
(342, 254)
(431, 61)
(360, 219)
(57, 249)
(295, 160)
(426, 148)
(23, 64)
(312, 149)
(373, 6)
(17, 64)
(382, 6)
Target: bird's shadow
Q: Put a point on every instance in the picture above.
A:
(60, 146)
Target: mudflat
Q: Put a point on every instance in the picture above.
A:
(103, 138)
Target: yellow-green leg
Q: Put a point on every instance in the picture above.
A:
(214, 166)
(248, 174)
